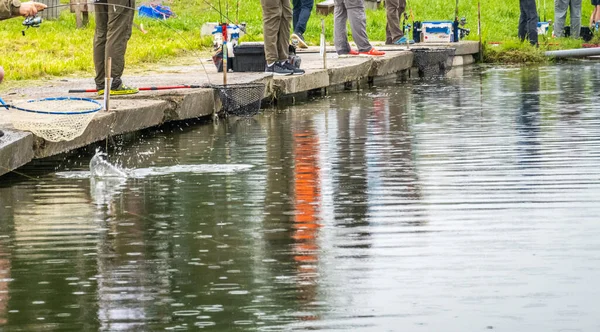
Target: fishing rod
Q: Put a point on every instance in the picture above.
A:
(242, 28)
(149, 88)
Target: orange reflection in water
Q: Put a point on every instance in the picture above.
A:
(306, 218)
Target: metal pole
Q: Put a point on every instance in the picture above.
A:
(323, 44)
(479, 30)
(107, 84)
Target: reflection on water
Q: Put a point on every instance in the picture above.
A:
(462, 204)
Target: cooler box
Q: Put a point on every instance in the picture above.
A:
(543, 27)
(249, 57)
(437, 32)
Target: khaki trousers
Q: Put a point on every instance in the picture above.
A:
(394, 10)
(113, 29)
(277, 16)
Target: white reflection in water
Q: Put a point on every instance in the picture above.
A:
(141, 173)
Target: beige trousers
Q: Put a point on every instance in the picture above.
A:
(277, 18)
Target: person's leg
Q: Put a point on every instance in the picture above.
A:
(393, 32)
(304, 15)
(532, 21)
(560, 15)
(272, 14)
(340, 32)
(575, 18)
(101, 15)
(120, 22)
(296, 12)
(522, 21)
(283, 35)
(358, 24)
(597, 17)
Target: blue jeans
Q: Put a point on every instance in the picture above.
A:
(302, 9)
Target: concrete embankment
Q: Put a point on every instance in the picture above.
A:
(153, 108)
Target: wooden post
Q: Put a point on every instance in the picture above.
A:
(224, 27)
(323, 44)
(80, 8)
(107, 84)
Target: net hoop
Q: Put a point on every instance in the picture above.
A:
(99, 106)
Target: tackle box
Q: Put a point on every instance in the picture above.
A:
(543, 27)
(249, 57)
(437, 31)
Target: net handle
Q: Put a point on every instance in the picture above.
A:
(5, 105)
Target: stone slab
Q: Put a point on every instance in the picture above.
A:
(125, 116)
(292, 84)
(16, 150)
(392, 62)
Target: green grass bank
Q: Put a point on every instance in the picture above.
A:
(57, 48)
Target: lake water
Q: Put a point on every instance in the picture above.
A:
(470, 203)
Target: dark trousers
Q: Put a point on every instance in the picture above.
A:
(528, 21)
(302, 9)
(113, 29)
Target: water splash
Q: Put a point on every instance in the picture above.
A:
(101, 168)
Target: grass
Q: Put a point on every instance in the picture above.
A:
(58, 49)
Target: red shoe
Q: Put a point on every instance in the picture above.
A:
(373, 52)
(353, 52)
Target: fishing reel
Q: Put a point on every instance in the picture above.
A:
(31, 22)
(406, 27)
(462, 31)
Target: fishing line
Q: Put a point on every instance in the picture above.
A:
(220, 12)
(223, 16)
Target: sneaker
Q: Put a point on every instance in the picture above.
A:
(1, 133)
(121, 90)
(278, 70)
(373, 52)
(294, 69)
(404, 40)
(349, 54)
(298, 39)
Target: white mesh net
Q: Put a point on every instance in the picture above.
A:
(54, 119)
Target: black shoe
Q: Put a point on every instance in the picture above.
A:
(278, 69)
(1, 133)
(294, 69)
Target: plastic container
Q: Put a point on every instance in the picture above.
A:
(249, 57)
(543, 27)
(155, 11)
(437, 32)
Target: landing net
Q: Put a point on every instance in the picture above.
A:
(54, 119)
(433, 62)
(241, 99)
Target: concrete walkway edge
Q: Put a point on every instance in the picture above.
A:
(155, 108)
